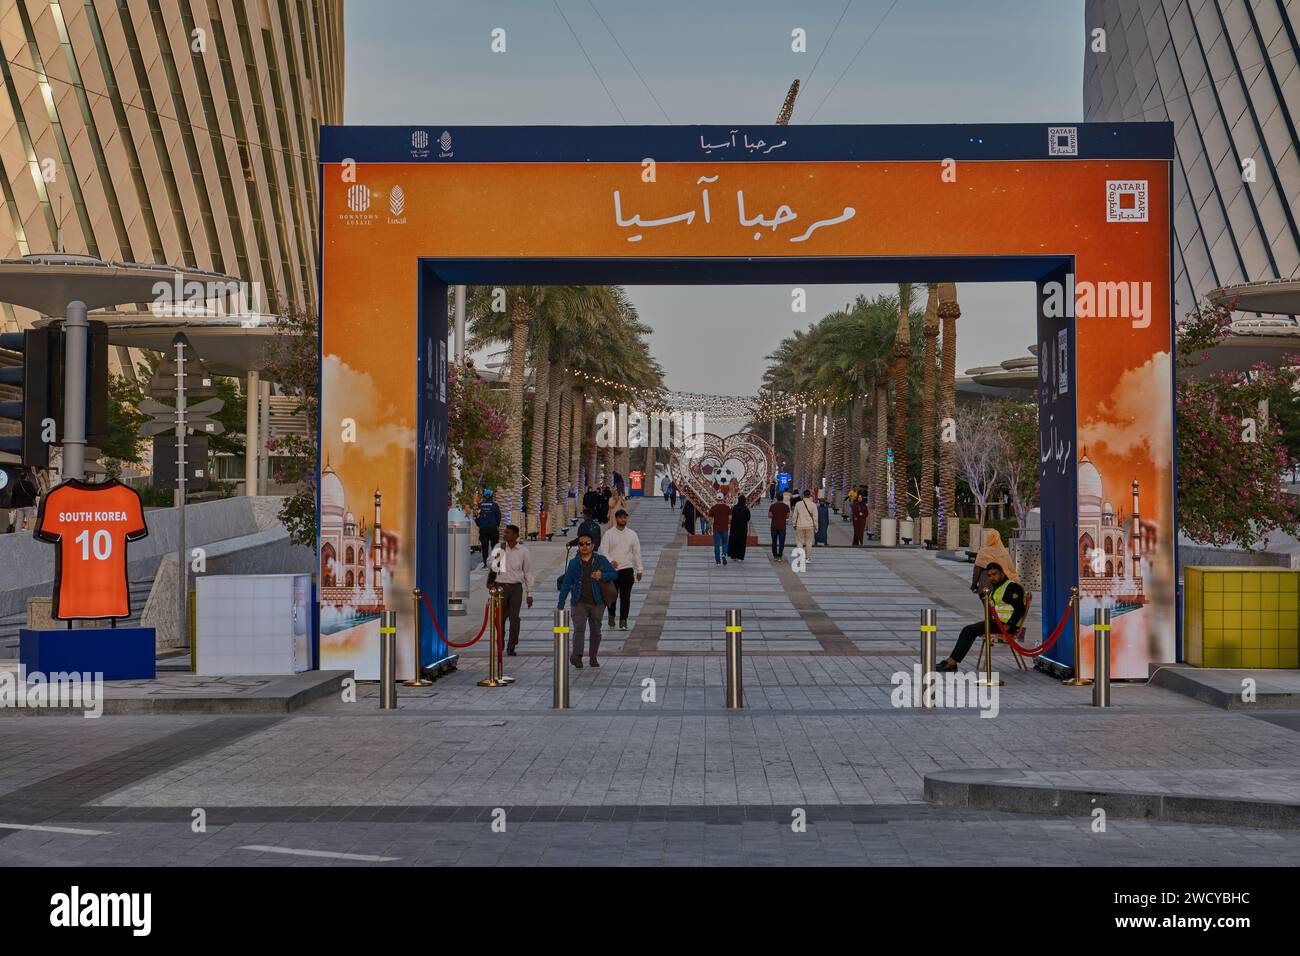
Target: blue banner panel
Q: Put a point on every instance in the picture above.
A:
(1058, 473)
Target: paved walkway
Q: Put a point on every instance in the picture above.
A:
(647, 767)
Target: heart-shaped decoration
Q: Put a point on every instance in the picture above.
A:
(738, 466)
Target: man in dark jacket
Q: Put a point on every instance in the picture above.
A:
(1007, 600)
(591, 501)
(581, 587)
(488, 519)
(22, 512)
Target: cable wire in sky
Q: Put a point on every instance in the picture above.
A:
(589, 62)
(852, 61)
(827, 43)
(630, 63)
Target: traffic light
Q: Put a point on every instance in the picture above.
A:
(39, 413)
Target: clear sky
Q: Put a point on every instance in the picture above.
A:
(729, 62)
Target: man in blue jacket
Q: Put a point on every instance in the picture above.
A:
(488, 519)
(581, 587)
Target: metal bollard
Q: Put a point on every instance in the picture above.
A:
(735, 680)
(928, 631)
(417, 680)
(560, 671)
(1078, 679)
(1101, 657)
(388, 660)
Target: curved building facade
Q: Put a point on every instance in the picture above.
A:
(174, 131)
(1226, 73)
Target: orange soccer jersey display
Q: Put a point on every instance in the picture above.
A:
(91, 525)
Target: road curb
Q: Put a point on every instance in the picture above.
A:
(1005, 790)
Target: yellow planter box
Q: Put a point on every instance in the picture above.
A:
(1241, 617)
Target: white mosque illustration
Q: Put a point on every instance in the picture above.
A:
(351, 569)
(1111, 545)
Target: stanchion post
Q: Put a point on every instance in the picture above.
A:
(987, 680)
(417, 680)
(928, 630)
(494, 636)
(735, 684)
(560, 667)
(499, 613)
(388, 660)
(1101, 657)
(1078, 679)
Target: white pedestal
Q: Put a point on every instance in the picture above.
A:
(925, 529)
(976, 537)
(249, 624)
(888, 532)
(906, 531)
(953, 535)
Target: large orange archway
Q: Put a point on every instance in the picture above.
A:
(1082, 211)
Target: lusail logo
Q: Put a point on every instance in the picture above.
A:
(359, 197)
(397, 206)
(444, 143)
(420, 144)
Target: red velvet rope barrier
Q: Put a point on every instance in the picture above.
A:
(425, 598)
(1041, 648)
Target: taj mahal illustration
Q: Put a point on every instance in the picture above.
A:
(352, 556)
(1111, 545)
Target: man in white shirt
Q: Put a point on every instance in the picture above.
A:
(622, 547)
(512, 568)
(804, 518)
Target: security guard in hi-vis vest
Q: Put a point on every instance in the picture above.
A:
(91, 525)
(1007, 599)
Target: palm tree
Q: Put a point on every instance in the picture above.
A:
(902, 351)
(927, 404)
(489, 323)
(948, 312)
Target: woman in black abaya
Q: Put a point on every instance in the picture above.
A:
(688, 516)
(739, 530)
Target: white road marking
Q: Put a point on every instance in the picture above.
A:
(44, 829)
(366, 858)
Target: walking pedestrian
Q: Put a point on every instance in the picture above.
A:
(688, 516)
(720, 519)
(588, 526)
(617, 502)
(488, 518)
(859, 514)
(672, 496)
(622, 546)
(581, 586)
(666, 487)
(516, 580)
(823, 523)
(739, 533)
(777, 513)
(804, 518)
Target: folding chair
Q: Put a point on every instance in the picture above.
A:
(995, 638)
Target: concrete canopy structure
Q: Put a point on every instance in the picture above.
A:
(180, 132)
